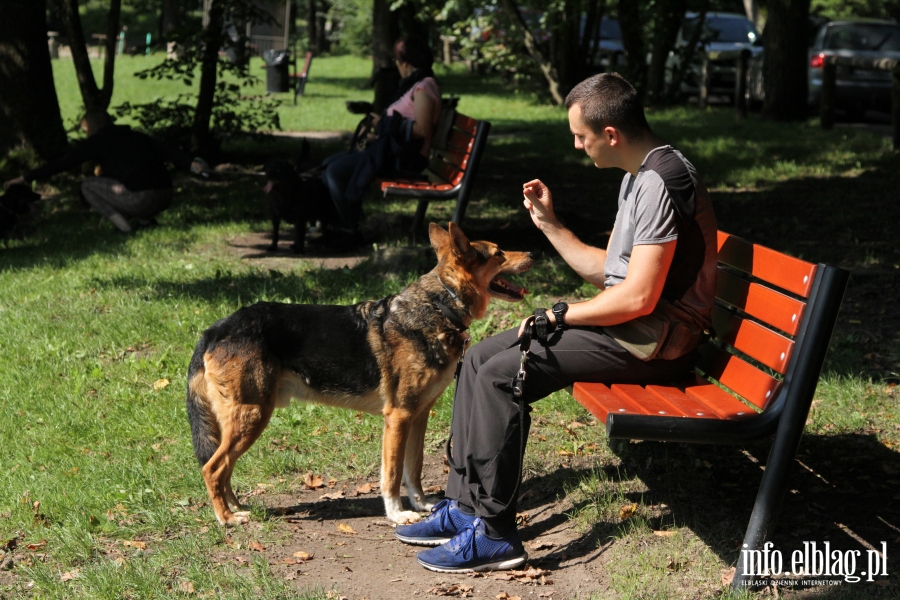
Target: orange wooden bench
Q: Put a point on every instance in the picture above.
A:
(450, 174)
(773, 321)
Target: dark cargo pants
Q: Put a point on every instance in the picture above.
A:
(488, 428)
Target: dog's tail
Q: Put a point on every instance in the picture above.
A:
(205, 430)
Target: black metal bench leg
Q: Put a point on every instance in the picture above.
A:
(419, 219)
(460, 211)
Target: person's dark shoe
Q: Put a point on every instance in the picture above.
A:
(442, 525)
(474, 550)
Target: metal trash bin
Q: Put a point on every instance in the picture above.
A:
(277, 76)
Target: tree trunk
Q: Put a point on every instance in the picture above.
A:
(751, 9)
(322, 41)
(29, 108)
(534, 51)
(666, 21)
(632, 25)
(93, 97)
(385, 32)
(785, 69)
(169, 19)
(201, 142)
(311, 29)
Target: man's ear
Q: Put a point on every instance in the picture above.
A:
(439, 237)
(613, 135)
(460, 241)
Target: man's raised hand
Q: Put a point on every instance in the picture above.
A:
(538, 202)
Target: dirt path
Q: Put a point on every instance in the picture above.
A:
(338, 539)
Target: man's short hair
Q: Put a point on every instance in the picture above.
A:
(607, 100)
(95, 119)
(415, 51)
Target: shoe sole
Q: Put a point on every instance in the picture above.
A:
(422, 541)
(503, 565)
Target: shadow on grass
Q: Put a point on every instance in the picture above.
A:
(844, 491)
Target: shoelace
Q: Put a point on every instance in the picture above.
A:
(464, 542)
(441, 511)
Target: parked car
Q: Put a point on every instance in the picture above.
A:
(756, 92)
(721, 32)
(609, 48)
(857, 90)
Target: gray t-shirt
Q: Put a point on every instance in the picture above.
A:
(667, 201)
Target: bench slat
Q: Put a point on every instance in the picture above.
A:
(653, 404)
(600, 401)
(415, 185)
(789, 273)
(467, 124)
(738, 375)
(689, 405)
(460, 141)
(766, 346)
(454, 156)
(726, 405)
(767, 305)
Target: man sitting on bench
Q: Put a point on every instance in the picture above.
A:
(657, 282)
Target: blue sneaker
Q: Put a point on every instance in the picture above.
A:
(444, 522)
(473, 550)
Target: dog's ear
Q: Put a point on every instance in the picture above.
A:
(439, 237)
(460, 241)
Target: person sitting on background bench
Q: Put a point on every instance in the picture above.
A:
(402, 144)
(657, 282)
(133, 181)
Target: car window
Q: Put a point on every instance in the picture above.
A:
(859, 36)
(610, 30)
(735, 31)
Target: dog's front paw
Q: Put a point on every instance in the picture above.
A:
(236, 518)
(421, 503)
(405, 517)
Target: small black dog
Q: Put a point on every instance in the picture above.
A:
(298, 198)
(15, 203)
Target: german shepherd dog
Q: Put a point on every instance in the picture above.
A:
(392, 356)
(298, 198)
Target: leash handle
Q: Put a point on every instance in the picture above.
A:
(518, 383)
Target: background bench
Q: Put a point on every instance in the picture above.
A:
(451, 173)
(773, 321)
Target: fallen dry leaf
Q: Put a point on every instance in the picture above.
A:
(303, 555)
(332, 496)
(332, 482)
(256, 546)
(344, 528)
(565, 453)
(312, 482)
(135, 544)
(463, 591)
(538, 545)
(365, 488)
(36, 545)
(677, 565)
(505, 596)
(186, 587)
(727, 576)
(160, 384)
(69, 575)
(627, 511)
(663, 533)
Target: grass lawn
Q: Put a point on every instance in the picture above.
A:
(101, 497)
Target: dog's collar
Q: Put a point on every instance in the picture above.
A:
(448, 312)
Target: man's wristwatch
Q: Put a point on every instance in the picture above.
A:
(541, 324)
(559, 311)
